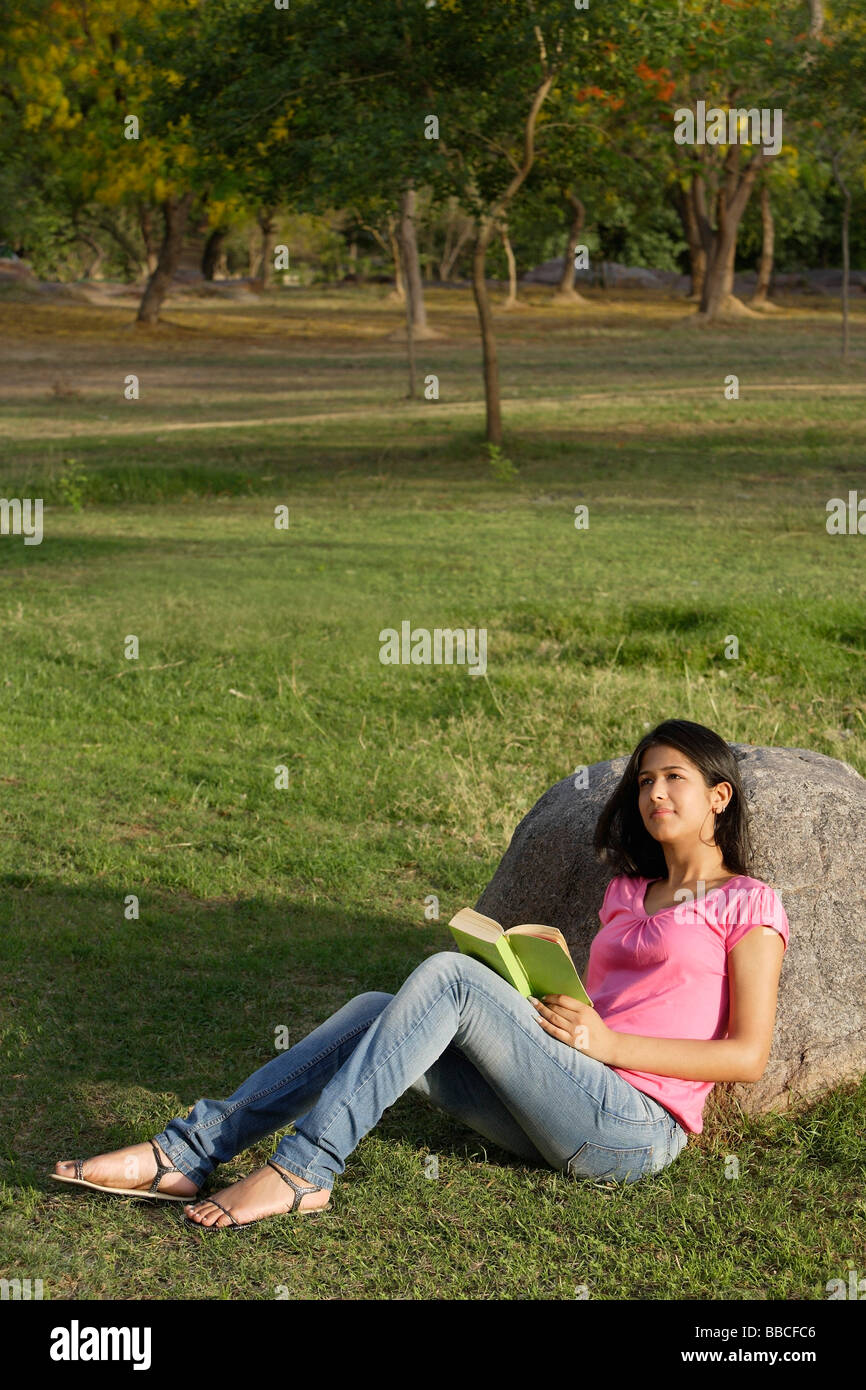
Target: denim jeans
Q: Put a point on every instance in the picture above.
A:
(469, 1043)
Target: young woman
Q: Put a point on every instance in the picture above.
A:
(684, 995)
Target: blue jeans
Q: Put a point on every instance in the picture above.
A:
(464, 1039)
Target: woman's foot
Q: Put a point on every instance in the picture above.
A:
(263, 1193)
(133, 1168)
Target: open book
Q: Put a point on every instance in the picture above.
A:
(535, 959)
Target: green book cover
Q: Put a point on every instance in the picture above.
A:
(533, 964)
(548, 969)
(498, 955)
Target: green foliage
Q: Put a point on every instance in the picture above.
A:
(253, 106)
(73, 484)
(501, 467)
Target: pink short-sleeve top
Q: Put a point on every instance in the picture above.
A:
(666, 975)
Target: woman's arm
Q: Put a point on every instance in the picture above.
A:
(754, 966)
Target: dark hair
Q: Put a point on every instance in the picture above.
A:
(621, 837)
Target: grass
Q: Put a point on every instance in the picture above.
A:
(257, 648)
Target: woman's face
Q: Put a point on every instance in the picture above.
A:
(669, 782)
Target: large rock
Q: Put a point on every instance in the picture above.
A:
(608, 273)
(808, 827)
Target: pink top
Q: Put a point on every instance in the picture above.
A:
(666, 976)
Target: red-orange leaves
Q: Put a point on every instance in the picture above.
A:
(661, 80)
(604, 97)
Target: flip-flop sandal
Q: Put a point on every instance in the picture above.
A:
(235, 1226)
(161, 1170)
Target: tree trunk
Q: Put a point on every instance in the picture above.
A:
(765, 266)
(719, 284)
(846, 255)
(411, 264)
(414, 288)
(486, 226)
(131, 252)
(488, 341)
(565, 290)
(254, 250)
(685, 200)
(699, 250)
(214, 252)
(175, 212)
(91, 271)
(399, 291)
(151, 250)
(699, 211)
(718, 297)
(429, 242)
(452, 248)
(268, 228)
(406, 247)
(512, 302)
(391, 247)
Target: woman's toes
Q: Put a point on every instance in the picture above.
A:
(66, 1169)
(207, 1215)
(199, 1213)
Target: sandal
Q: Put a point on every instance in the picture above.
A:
(298, 1193)
(161, 1170)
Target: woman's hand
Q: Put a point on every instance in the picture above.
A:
(576, 1024)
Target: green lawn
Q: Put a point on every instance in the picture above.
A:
(262, 907)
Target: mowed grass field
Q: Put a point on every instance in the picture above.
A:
(264, 907)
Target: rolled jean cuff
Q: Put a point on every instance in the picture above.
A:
(182, 1156)
(306, 1174)
(309, 1174)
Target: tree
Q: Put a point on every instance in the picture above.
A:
(382, 226)
(175, 211)
(576, 215)
(382, 110)
(589, 143)
(738, 59)
(488, 148)
(213, 255)
(759, 299)
(833, 64)
(77, 91)
(457, 231)
(416, 321)
(280, 107)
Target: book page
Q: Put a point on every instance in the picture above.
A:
(476, 923)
